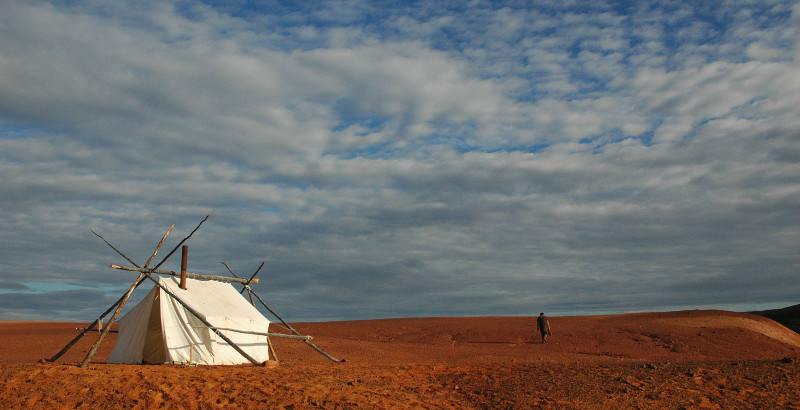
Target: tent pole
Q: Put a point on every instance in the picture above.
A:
(313, 346)
(267, 334)
(155, 252)
(174, 273)
(272, 350)
(115, 249)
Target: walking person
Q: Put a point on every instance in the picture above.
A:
(544, 326)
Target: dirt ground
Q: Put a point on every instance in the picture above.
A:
(690, 359)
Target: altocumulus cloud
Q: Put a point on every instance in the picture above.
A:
(434, 158)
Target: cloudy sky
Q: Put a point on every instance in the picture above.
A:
(438, 158)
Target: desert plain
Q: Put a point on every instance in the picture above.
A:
(689, 359)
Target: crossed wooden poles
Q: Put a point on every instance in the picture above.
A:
(145, 272)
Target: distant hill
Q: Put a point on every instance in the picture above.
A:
(788, 316)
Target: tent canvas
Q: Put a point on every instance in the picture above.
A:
(160, 330)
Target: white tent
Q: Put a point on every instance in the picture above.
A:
(160, 330)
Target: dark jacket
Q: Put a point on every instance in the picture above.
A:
(544, 324)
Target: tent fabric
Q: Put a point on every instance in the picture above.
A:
(133, 331)
(160, 330)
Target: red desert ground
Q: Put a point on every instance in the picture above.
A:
(688, 359)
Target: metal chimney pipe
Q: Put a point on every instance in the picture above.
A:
(184, 262)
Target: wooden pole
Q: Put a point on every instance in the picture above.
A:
(161, 242)
(184, 262)
(268, 334)
(95, 330)
(272, 350)
(229, 269)
(115, 249)
(188, 275)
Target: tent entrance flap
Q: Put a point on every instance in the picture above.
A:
(154, 351)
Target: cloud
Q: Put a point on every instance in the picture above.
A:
(430, 159)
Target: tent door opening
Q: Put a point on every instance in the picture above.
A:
(154, 350)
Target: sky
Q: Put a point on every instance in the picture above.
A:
(429, 158)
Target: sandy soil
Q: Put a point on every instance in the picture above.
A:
(691, 359)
